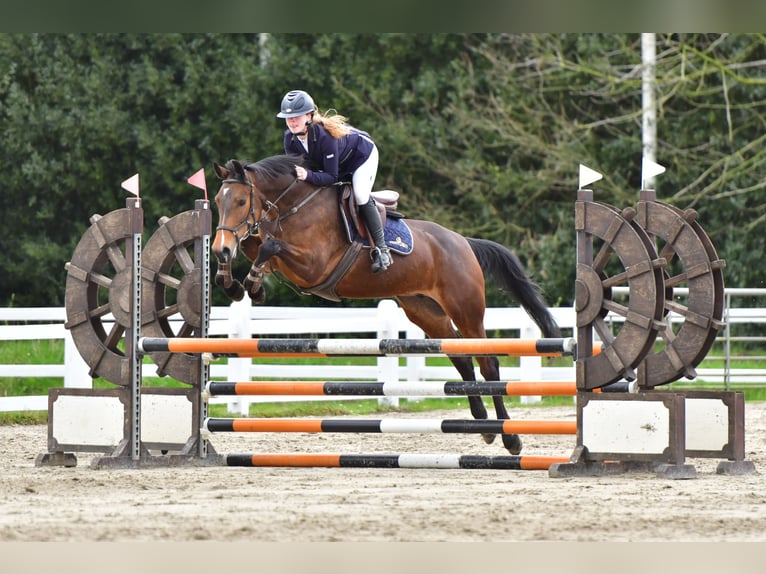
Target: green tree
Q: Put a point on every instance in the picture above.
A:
(80, 113)
(482, 133)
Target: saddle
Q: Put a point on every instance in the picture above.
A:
(398, 235)
(386, 200)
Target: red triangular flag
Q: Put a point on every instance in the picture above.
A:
(131, 185)
(198, 180)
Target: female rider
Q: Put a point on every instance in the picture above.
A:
(335, 152)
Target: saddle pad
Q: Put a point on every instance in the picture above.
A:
(398, 236)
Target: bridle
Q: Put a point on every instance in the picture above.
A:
(249, 221)
(270, 213)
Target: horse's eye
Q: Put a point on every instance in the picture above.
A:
(242, 202)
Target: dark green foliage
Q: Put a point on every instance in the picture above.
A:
(480, 132)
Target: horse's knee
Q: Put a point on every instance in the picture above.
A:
(267, 250)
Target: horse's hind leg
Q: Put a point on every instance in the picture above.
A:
(490, 370)
(465, 318)
(429, 316)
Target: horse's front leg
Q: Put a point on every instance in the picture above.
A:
(254, 280)
(225, 280)
(253, 284)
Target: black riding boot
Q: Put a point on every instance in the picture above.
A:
(380, 254)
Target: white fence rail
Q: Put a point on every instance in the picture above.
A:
(385, 321)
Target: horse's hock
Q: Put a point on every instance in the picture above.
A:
(651, 250)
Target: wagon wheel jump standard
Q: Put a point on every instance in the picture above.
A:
(98, 296)
(686, 257)
(624, 256)
(692, 261)
(172, 287)
(98, 287)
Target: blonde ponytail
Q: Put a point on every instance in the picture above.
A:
(335, 124)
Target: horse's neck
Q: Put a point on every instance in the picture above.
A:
(313, 236)
(315, 208)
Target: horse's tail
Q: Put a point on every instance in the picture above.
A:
(505, 270)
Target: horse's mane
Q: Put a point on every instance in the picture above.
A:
(270, 167)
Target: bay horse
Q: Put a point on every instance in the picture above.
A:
(286, 225)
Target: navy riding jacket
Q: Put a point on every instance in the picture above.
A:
(330, 160)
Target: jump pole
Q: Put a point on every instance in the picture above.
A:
(447, 426)
(406, 388)
(553, 347)
(428, 461)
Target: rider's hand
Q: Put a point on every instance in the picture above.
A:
(300, 172)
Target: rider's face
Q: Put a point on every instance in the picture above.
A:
(297, 124)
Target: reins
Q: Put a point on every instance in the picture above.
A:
(293, 210)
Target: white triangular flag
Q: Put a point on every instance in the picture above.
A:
(131, 185)
(588, 175)
(648, 170)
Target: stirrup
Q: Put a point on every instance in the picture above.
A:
(381, 259)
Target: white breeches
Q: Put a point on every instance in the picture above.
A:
(364, 178)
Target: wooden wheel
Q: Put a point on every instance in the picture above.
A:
(97, 298)
(171, 292)
(692, 262)
(613, 250)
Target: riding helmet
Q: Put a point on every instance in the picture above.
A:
(296, 103)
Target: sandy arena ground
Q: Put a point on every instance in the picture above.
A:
(82, 504)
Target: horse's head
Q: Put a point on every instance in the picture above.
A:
(237, 210)
(244, 203)
(237, 220)
(248, 197)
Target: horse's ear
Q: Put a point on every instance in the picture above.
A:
(220, 171)
(237, 166)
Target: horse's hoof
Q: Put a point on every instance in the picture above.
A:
(512, 443)
(488, 438)
(259, 297)
(236, 292)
